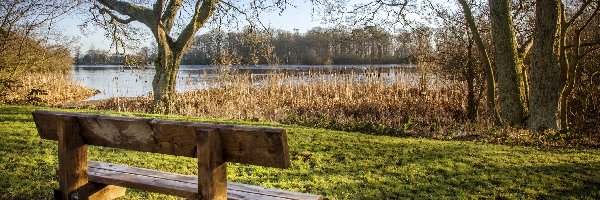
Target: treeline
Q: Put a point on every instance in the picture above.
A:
(144, 56)
(339, 45)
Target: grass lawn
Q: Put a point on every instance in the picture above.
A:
(338, 165)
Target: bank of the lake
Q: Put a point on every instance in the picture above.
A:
(121, 81)
(336, 164)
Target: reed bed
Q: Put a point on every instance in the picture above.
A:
(397, 103)
(49, 89)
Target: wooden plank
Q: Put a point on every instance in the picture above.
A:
(285, 194)
(99, 191)
(107, 193)
(178, 184)
(241, 144)
(141, 171)
(72, 156)
(240, 195)
(211, 167)
(147, 183)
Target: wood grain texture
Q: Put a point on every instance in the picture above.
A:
(241, 144)
(99, 191)
(178, 184)
(72, 156)
(211, 167)
(156, 183)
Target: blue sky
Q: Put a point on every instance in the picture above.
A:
(299, 17)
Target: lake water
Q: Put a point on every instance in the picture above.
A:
(119, 81)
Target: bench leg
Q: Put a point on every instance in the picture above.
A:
(99, 191)
(72, 157)
(212, 173)
(72, 167)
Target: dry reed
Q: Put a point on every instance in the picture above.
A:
(45, 89)
(400, 103)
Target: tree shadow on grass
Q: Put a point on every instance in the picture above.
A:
(15, 114)
(427, 169)
(344, 165)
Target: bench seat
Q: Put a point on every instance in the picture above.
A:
(213, 146)
(178, 184)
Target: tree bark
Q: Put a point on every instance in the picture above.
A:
(545, 71)
(470, 76)
(471, 103)
(487, 68)
(507, 63)
(163, 85)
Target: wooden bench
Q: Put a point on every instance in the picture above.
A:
(213, 145)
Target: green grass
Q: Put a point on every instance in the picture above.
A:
(338, 165)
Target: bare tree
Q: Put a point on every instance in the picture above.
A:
(26, 26)
(539, 92)
(22, 20)
(569, 69)
(487, 63)
(161, 18)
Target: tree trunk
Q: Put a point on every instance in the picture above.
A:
(160, 19)
(471, 104)
(565, 69)
(563, 118)
(470, 75)
(166, 67)
(487, 68)
(545, 72)
(569, 69)
(507, 63)
(163, 85)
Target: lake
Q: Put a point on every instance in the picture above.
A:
(119, 81)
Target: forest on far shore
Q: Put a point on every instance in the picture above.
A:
(318, 46)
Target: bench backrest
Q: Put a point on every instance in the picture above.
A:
(240, 144)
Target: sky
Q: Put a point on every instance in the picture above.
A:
(299, 17)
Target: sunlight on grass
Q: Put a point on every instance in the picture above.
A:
(338, 165)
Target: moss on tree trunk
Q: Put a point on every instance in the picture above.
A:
(163, 85)
(487, 65)
(507, 63)
(545, 71)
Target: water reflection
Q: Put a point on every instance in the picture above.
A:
(119, 81)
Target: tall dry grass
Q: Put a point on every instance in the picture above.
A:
(399, 103)
(50, 89)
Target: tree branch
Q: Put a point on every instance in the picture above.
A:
(135, 12)
(158, 9)
(587, 22)
(582, 28)
(240, 11)
(168, 17)
(524, 50)
(403, 4)
(112, 15)
(586, 44)
(204, 9)
(576, 15)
